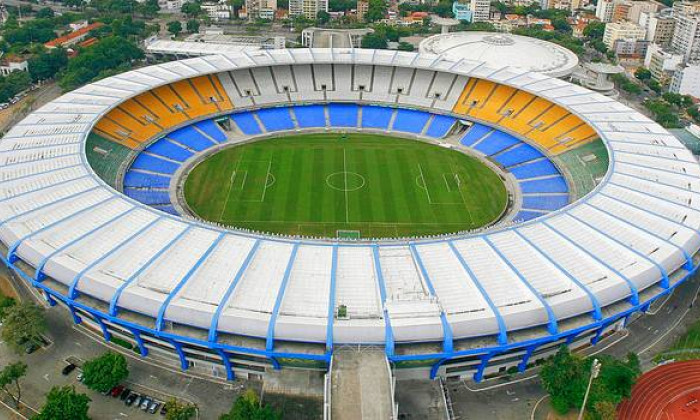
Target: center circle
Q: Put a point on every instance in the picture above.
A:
(345, 181)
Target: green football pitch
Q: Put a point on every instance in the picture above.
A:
(348, 185)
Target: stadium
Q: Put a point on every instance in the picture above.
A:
(533, 212)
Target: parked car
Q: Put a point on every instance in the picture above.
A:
(125, 394)
(31, 348)
(129, 401)
(164, 410)
(107, 392)
(146, 403)
(117, 391)
(153, 408)
(140, 400)
(68, 369)
(80, 376)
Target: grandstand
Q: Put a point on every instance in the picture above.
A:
(225, 302)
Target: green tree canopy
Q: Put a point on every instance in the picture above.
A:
(193, 26)
(248, 407)
(23, 323)
(63, 403)
(323, 17)
(5, 302)
(594, 30)
(406, 46)
(376, 10)
(46, 65)
(179, 411)
(105, 372)
(374, 41)
(191, 9)
(642, 73)
(10, 375)
(175, 27)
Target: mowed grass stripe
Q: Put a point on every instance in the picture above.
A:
(300, 201)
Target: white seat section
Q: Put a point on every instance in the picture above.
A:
(304, 309)
(356, 283)
(152, 286)
(65, 265)
(607, 286)
(668, 166)
(36, 142)
(665, 140)
(31, 155)
(679, 213)
(343, 84)
(420, 89)
(446, 90)
(323, 76)
(467, 311)
(518, 306)
(381, 85)
(653, 151)
(647, 217)
(407, 297)
(284, 78)
(238, 98)
(362, 76)
(103, 279)
(617, 256)
(560, 292)
(269, 91)
(305, 81)
(668, 256)
(250, 307)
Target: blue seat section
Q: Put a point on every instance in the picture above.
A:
(410, 121)
(191, 138)
(138, 179)
(534, 169)
(495, 142)
(525, 215)
(547, 185)
(342, 115)
(440, 125)
(517, 155)
(545, 202)
(168, 209)
(246, 123)
(476, 132)
(276, 119)
(153, 164)
(376, 116)
(310, 116)
(169, 150)
(148, 196)
(212, 129)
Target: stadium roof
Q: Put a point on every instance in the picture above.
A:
(499, 50)
(626, 241)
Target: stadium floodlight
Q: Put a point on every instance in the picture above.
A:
(595, 371)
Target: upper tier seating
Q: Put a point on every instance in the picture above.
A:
(211, 129)
(517, 155)
(495, 142)
(475, 133)
(191, 138)
(247, 123)
(154, 164)
(169, 150)
(440, 126)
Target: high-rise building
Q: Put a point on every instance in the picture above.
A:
(636, 8)
(480, 10)
(659, 27)
(686, 36)
(662, 64)
(686, 80)
(307, 8)
(622, 30)
(686, 8)
(261, 9)
(362, 7)
(604, 10)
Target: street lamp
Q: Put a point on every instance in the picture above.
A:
(595, 371)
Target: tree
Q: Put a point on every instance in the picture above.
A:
(191, 9)
(5, 302)
(323, 17)
(179, 411)
(105, 372)
(63, 403)
(46, 65)
(192, 26)
(149, 8)
(23, 326)
(642, 73)
(406, 46)
(374, 41)
(10, 375)
(376, 10)
(594, 30)
(564, 378)
(44, 13)
(248, 407)
(175, 27)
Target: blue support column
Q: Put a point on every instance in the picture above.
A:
(388, 331)
(331, 301)
(181, 354)
(139, 342)
(479, 374)
(105, 332)
(597, 335)
(526, 358)
(270, 340)
(434, 368)
(76, 318)
(49, 298)
(230, 375)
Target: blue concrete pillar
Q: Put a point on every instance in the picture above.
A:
(183, 358)
(526, 358)
(479, 375)
(230, 375)
(139, 341)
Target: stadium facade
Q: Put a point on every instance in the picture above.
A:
(88, 216)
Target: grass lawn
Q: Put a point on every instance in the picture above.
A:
(352, 184)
